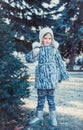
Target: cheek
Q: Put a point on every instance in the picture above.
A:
(51, 41)
(43, 41)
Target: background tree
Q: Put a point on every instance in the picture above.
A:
(65, 17)
(13, 74)
(72, 21)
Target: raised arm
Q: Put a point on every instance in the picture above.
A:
(32, 56)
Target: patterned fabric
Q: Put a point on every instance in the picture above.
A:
(50, 69)
(42, 95)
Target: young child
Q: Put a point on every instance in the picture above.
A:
(49, 71)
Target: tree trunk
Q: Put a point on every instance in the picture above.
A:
(3, 119)
(72, 60)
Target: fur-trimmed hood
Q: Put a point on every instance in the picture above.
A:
(41, 34)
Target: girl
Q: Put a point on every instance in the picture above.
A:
(49, 71)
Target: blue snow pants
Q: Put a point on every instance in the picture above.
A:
(46, 94)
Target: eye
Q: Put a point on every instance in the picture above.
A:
(45, 38)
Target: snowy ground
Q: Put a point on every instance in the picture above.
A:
(69, 104)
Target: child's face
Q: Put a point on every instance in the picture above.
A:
(47, 39)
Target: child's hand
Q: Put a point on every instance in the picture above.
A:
(36, 45)
(35, 51)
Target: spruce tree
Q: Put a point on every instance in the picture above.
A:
(69, 31)
(13, 73)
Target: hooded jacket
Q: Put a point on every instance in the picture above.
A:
(50, 69)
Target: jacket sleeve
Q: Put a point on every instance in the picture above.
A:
(30, 58)
(61, 68)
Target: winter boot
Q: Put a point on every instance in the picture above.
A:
(37, 118)
(53, 120)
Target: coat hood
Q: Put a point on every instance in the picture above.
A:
(47, 30)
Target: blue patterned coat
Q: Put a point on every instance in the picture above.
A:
(50, 69)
